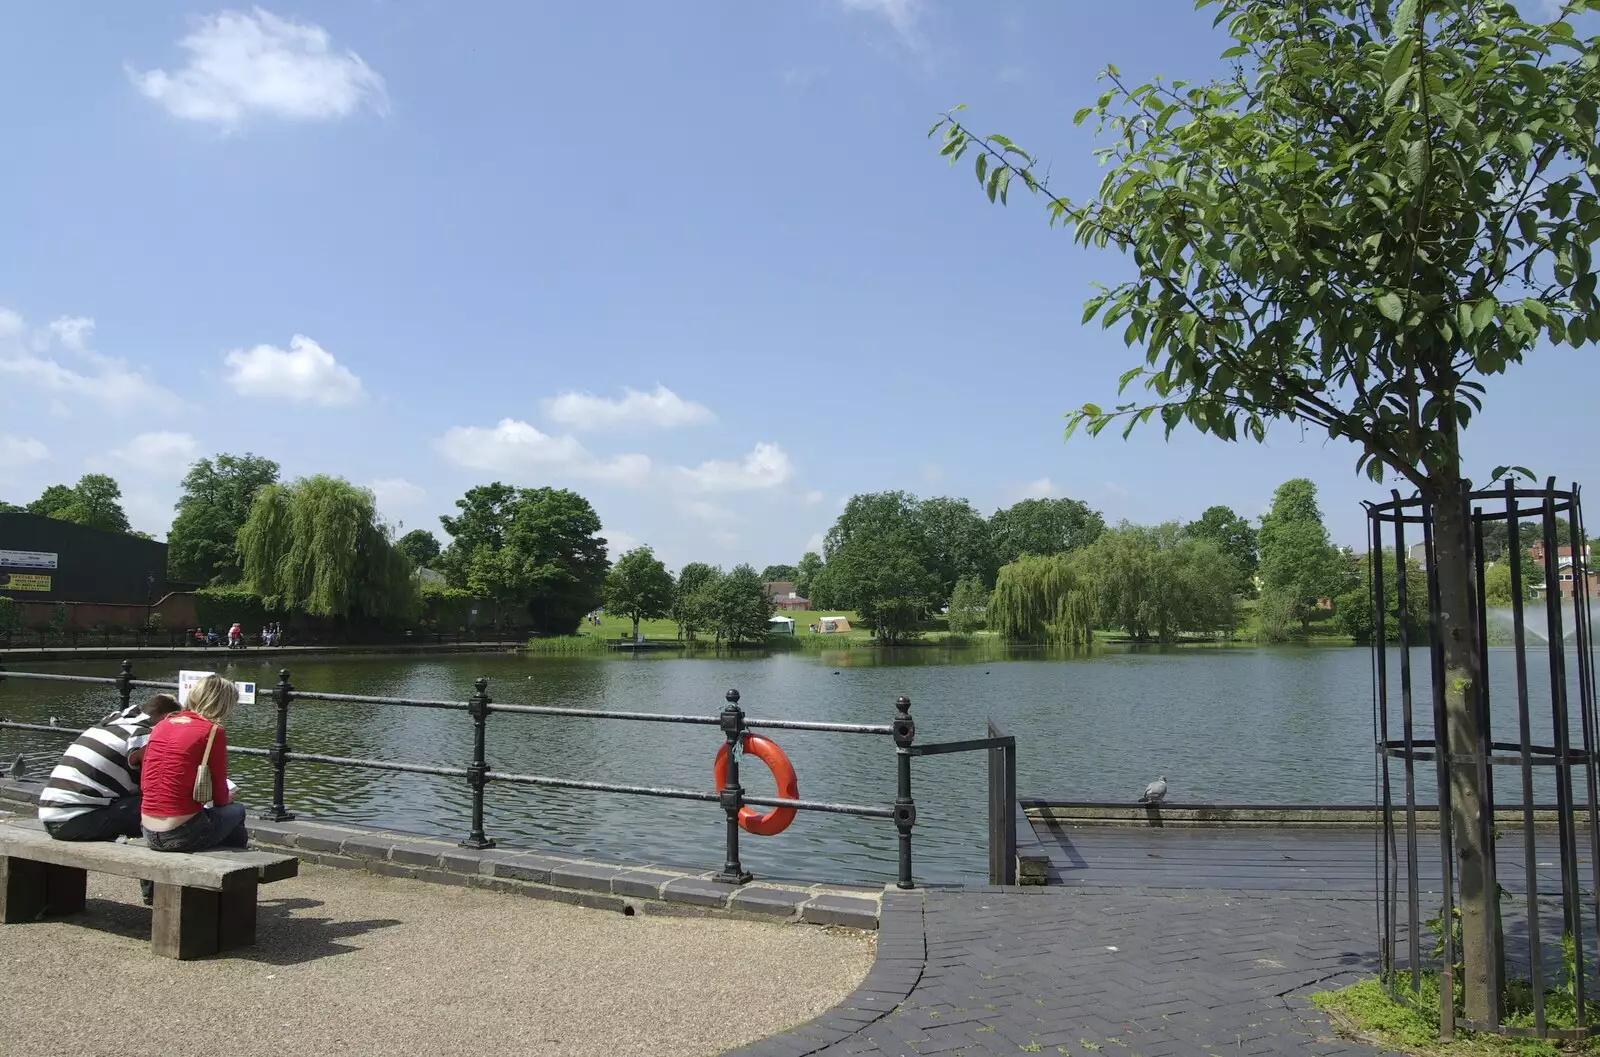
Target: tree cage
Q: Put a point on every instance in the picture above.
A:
(1536, 731)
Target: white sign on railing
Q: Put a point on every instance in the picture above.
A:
(187, 681)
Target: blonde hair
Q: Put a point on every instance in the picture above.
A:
(213, 698)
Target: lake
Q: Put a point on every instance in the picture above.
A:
(1223, 725)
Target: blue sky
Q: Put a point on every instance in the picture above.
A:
(426, 245)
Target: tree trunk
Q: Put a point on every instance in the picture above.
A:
(636, 627)
(1457, 629)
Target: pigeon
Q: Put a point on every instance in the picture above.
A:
(19, 768)
(1155, 792)
(55, 721)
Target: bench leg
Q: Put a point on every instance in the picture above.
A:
(184, 922)
(30, 890)
(236, 918)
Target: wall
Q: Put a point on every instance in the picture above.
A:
(91, 565)
(176, 611)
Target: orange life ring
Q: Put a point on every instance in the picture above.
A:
(777, 820)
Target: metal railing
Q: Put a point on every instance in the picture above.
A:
(732, 722)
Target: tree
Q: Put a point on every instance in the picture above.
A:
(957, 543)
(1154, 583)
(1497, 586)
(787, 573)
(421, 546)
(1299, 565)
(95, 501)
(1040, 599)
(805, 575)
(738, 606)
(691, 601)
(537, 548)
(968, 604)
(1233, 534)
(1370, 215)
(1353, 610)
(884, 579)
(1043, 527)
(317, 545)
(639, 586)
(202, 545)
(11, 508)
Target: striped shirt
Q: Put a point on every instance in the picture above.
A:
(95, 771)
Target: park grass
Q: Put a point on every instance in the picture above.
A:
(1367, 1012)
(613, 629)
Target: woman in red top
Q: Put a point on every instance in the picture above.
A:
(173, 820)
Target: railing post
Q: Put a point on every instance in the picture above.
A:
(125, 684)
(478, 772)
(282, 694)
(905, 809)
(732, 793)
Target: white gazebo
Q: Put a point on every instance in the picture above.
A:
(780, 626)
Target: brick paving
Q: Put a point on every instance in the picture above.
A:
(1097, 972)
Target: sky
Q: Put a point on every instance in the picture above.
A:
(697, 262)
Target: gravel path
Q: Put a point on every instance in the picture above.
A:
(351, 963)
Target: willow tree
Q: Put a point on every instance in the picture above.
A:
(317, 546)
(1377, 210)
(1041, 600)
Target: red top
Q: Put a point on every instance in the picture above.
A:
(172, 760)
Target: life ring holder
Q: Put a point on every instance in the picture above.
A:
(778, 819)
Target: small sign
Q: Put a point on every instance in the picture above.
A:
(23, 582)
(28, 559)
(187, 681)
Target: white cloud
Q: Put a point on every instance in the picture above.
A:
(618, 542)
(258, 63)
(813, 498)
(707, 512)
(902, 15)
(1040, 489)
(15, 450)
(392, 492)
(72, 331)
(306, 373)
(109, 382)
(661, 408)
(158, 452)
(767, 466)
(515, 446)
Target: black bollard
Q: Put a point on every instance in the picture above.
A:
(905, 809)
(478, 771)
(282, 694)
(732, 795)
(125, 684)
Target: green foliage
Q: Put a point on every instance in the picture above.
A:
(566, 644)
(1276, 615)
(692, 599)
(1235, 537)
(1353, 610)
(787, 573)
(445, 607)
(421, 546)
(1154, 583)
(1041, 599)
(11, 508)
(639, 587)
(58, 618)
(10, 614)
(736, 606)
(1298, 562)
(95, 501)
(805, 574)
(533, 547)
(957, 543)
(1043, 527)
(316, 545)
(202, 545)
(218, 607)
(968, 604)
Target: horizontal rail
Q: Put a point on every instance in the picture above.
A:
(970, 745)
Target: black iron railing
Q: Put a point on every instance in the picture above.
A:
(732, 722)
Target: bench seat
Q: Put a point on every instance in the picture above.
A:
(205, 902)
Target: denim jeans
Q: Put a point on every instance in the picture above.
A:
(120, 818)
(214, 827)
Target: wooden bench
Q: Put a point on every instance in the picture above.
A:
(204, 902)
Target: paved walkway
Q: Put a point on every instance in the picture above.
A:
(1113, 972)
(351, 963)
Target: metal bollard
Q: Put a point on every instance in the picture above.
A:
(732, 794)
(478, 771)
(282, 694)
(905, 809)
(125, 684)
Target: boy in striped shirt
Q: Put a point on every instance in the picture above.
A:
(93, 793)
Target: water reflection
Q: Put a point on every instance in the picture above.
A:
(1238, 725)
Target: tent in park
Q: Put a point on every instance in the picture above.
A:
(780, 626)
(832, 625)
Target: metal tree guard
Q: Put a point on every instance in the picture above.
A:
(1555, 737)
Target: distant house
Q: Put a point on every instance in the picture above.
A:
(783, 596)
(1569, 569)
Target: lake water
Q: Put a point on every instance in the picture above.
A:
(1223, 725)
